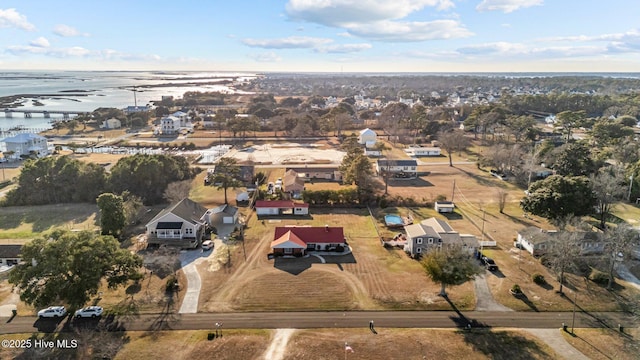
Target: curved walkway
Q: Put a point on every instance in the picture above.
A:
(556, 341)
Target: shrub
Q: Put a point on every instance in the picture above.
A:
(172, 284)
(516, 289)
(441, 197)
(599, 277)
(538, 279)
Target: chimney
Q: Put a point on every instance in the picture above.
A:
(326, 228)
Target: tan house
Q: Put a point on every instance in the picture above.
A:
(293, 183)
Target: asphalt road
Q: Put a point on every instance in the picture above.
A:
(310, 320)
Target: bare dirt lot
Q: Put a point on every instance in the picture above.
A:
(290, 153)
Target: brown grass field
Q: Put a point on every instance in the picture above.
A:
(317, 344)
(372, 277)
(605, 344)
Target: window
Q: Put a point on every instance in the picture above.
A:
(418, 250)
(288, 250)
(430, 240)
(419, 241)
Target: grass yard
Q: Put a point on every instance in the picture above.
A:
(370, 278)
(316, 344)
(416, 344)
(22, 223)
(605, 344)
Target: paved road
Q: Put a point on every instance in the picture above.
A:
(353, 319)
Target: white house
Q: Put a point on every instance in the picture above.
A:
(433, 234)
(10, 254)
(26, 144)
(169, 125)
(112, 123)
(223, 214)
(367, 136)
(397, 168)
(136, 109)
(182, 224)
(422, 151)
(281, 207)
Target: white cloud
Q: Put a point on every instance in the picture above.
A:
(395, 31)
(339, 13)
(265, 57)
(67, 31)
(506, 6)
(12, 18)
(292, 42)
(343, 48)
(40, 42)
(75, 51)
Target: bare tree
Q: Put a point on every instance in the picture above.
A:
(620, 240)
(564, 247)
(177, 191)
(452, 141)
(607, 187)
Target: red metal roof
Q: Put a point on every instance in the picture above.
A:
(280, 204)
(315, 235)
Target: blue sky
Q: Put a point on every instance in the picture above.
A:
(322, 35)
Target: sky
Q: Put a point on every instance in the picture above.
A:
(322, 35)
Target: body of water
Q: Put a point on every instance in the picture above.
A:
(86, 91)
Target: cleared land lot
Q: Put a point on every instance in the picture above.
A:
(317, 344)
(290, 153)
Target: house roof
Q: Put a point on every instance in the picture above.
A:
(10, 251)
(304, 170)
(291, 179)
(418, 230)
(536, 235)
(440, 226)
(288, 240)
(279, 204)
(225, 209)
(367, 131)
(186, 209)
(23, 138)
(387, 162)
(315, 234)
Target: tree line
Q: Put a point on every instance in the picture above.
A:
(62, 179)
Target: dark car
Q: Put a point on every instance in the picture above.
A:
(489, 263)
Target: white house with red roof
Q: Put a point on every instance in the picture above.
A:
(281, 207)
(297, 240)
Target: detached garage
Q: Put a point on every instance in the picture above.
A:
(281, 207)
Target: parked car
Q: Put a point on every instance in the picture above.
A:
(489, 263)
(207, 245)
(89, 311)
(52, 312)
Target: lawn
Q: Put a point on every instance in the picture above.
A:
(21, 223)
(603, 344)
(316, 344)
(370, 278)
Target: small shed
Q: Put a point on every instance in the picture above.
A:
(366, 136)
(444, 206)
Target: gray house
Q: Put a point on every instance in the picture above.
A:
(397, 168)
(538, 241)
(433, 234)
(10, 254)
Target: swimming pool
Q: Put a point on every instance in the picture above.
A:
(393, 220)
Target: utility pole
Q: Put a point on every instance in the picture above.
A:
(482, 241)
(453, 190)
(630, 186)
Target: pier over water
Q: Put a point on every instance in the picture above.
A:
(66, 114)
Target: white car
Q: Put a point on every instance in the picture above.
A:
(52, 312)
(89, 311)
(207, 245)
